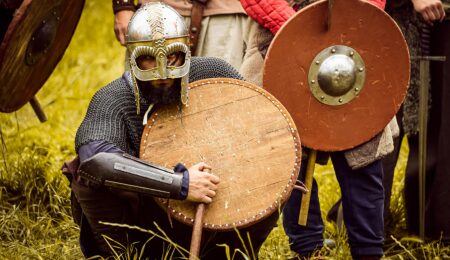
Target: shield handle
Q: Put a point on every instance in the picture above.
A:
(38, 109)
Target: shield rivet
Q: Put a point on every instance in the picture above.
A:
(361, 69)
(333, 50)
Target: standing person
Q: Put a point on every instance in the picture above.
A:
(361, 184)
(110, 134)
(411, 16)
(218, 28)
(416, 17)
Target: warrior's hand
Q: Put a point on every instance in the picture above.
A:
(121, 20)
(202, 185)
(431, 10)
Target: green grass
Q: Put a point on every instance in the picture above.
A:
(35, 219)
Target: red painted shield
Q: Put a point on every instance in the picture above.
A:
(379, 42)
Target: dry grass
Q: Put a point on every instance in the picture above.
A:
(35, 220)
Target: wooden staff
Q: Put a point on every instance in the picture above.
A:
(197, 229)
(306, 197)
(197, 232)
(38, 109)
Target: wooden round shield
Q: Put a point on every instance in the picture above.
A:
(35, 41)
(341, 83)
(247, 137)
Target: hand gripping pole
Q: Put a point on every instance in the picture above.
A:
(197, 229)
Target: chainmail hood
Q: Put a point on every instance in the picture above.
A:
(111, 115)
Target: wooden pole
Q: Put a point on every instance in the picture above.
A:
(306, 198)
(197, 232)
(197, 229)
(38, 109)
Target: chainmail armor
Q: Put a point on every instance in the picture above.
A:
(111, 115)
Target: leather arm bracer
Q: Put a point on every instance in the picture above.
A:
(124, 172)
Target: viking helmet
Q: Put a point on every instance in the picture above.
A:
(157, 30)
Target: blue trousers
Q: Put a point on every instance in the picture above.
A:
(362, 202)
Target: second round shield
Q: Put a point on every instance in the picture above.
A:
(341, 83)
(34, 43)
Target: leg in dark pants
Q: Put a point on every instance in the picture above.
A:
(303, 240)
(389, 162)
(362, 198)
(362, 202)
(103, 205)
(136, 210)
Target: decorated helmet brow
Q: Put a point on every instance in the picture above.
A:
(157, 30)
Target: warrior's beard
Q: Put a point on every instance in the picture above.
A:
(161, 94)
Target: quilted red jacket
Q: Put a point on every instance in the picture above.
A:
(273, 13)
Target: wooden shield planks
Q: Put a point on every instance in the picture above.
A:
(375, 36)
(34, 43)
(247, 137)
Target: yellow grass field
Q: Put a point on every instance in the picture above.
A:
(35, 218)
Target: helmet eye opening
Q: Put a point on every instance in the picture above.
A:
(176, 59)
(159, 60)
(146, 62)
